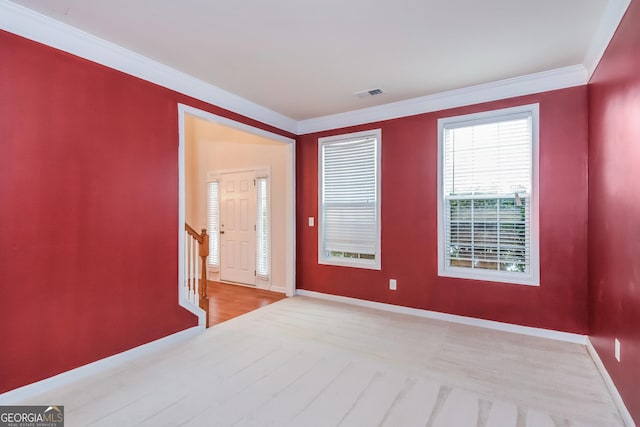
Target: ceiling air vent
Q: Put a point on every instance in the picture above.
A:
(369, 92)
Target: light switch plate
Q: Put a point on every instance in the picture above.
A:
(311, 221)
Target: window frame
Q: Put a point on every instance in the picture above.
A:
(375, 264)
(214, 242)
(492, 116)
(268, 229)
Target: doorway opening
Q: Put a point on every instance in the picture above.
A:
(238, 183)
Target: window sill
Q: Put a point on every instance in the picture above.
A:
(490, 276)
(353, 263)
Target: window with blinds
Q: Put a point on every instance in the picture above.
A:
(488, 204)
(262, 228)
(213, 223)
(349, 200)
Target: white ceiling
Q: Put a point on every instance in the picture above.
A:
(304, 59)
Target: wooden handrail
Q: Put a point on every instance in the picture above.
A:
(203, 252)
(193, 233)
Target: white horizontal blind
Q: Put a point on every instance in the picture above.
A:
(262, 228)
(349, 198)
(213, 223)
(487, 189)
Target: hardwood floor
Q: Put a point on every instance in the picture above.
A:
(227, 301)
(306, 362)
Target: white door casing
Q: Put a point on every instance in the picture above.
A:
(237, 227)
(290, 212)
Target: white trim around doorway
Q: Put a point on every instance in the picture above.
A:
(290, 251)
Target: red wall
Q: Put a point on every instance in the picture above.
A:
(88, 211)
(614, 208)
(409, 222)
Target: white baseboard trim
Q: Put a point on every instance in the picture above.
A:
(31, 391)
(622, 408)
(471, 321)
(280, 289)
(192, 308)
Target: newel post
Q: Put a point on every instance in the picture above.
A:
(203, 251)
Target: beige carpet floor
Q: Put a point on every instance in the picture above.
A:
(307, 362)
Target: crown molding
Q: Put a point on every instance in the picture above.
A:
(560, 78)
(613, 14)
(43, 29)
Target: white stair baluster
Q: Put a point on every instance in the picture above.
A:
(193, 269)
(194, 260)
(195, 256)
(189, 270)
(194, 272)
(185, 284)
(196, 283)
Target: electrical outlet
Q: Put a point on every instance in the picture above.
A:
(311, 221)
(617, 349)
(393, 284)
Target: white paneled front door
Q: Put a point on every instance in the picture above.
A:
(237, 227)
